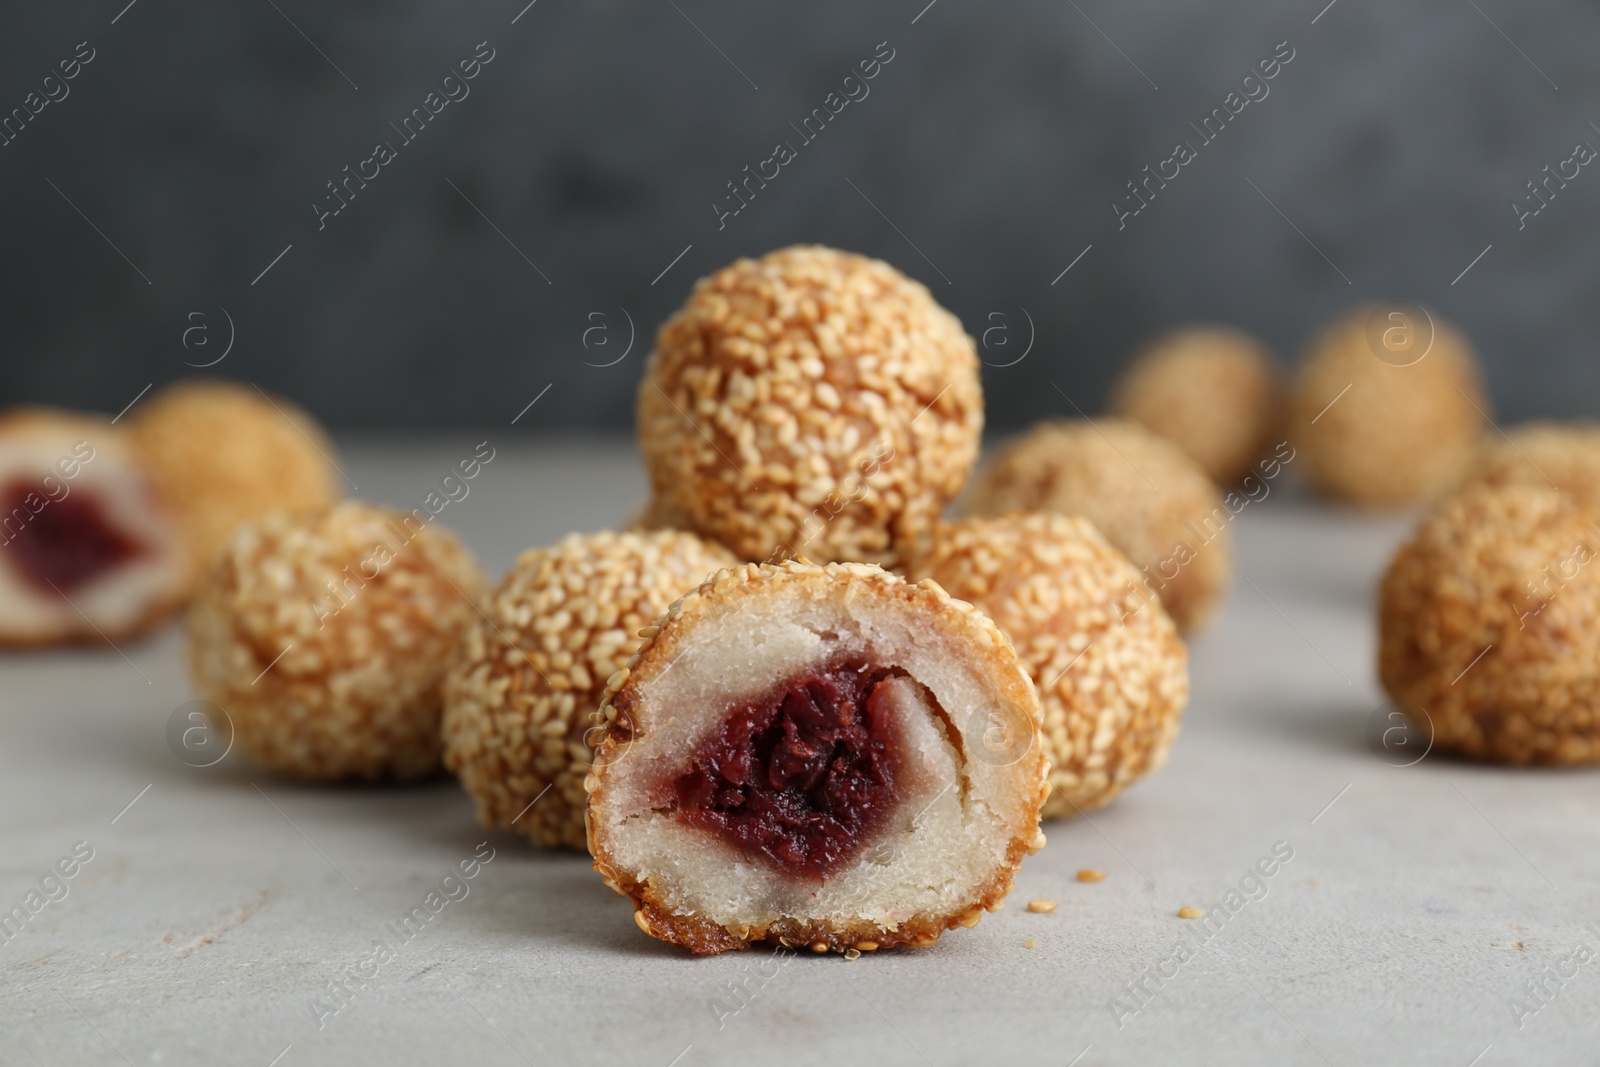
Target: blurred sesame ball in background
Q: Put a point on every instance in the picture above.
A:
(810, 403)
(1388, 407)
(1140, 491)
(1213, 391)
(221, 453)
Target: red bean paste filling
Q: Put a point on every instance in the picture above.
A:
(803, 777)
(64, 544)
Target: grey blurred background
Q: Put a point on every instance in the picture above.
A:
(170, 187)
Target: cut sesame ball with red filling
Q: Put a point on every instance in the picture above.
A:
(815, 755)
(88, 551)
(68, 543)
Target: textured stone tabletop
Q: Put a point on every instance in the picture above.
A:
(1409, 912)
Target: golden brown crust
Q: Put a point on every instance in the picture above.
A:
(324, 636)
(622, 707)
(1111, 671)
(705, 938)
(1213, 391)
(811, 402)
(60, 430)
(526, 684)
(1386, 432)
(222, 453)
(1489, 627)
(1139, 490)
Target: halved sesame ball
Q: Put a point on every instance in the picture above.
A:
(816, 755)
(1111, 671)
(810, 403)
(1140, 491)
(324, 636)
(1489, 627)
(1211, 390)
(522, 697)
(1557, 455)
(88, 550)
(1387, 412)
(222, 453)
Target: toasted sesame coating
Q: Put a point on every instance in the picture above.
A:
(222, 452)
(525, 689)
(626, 711)
(1211, 390)
(1140, 491)
(1489, 627)
(810, 403)
(324, 635)
(1560, 455)
(1385, 432)
(1111, 671)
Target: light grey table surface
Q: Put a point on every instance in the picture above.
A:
(1419, 904)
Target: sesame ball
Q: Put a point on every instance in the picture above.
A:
(1111, 671)
(222, 452)
(1211, 390)
(324, 635)
(1489, 627)
(1140, 491)
(810, 403)
(521, 698)
(1386, 413)
(1564, 456)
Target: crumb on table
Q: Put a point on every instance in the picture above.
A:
(1043, 907)
(1091, 874)
(1186, 912)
